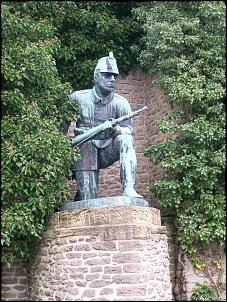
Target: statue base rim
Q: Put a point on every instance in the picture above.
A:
(103, 202)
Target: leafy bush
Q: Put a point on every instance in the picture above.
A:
(35, 154)
(87, 30)
(201, 292)
(185, 50)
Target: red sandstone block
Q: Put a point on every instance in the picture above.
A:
(112, 269)
(49, 292)
(103, 276)
(5, 288)
(8, 295)
(88, 293)
(69, 297)
(104, 254)
(8, 274)
(132, 290)
(86, 231)
(106, 291)
(82, 247)
(75, 262)
(89, 255)
(8, 280)
(19, 287)
(131, 245)
(90, 239)
(75, 275)
(126, 257)
(73, 291)
(99, 283)
(59, 296)
(104, 245)
(67, 248)
(130, 279)
(95, 269)
(82, 269)
(97, 261)
(22, 296)
(132, 268)
(90, 277)
(81, 283)
(72, 255)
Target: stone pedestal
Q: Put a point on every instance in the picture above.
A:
(112, 253)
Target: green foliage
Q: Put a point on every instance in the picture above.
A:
(35, 154)
(201, 292)
(185, 50)
(87, 30)
(49, 49)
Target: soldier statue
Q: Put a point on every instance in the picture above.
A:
(96, 106)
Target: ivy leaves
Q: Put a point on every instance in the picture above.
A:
(36, 156)
(184, 49)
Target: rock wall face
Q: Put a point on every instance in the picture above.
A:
(114, 253)
(14, 281)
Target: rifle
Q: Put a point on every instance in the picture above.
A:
(89, 134)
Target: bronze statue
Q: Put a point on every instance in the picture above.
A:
(104, 133)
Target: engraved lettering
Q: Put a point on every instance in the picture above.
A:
(114, 213)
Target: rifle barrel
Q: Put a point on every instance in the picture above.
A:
(89, 134)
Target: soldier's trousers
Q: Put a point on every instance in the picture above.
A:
(121, 149)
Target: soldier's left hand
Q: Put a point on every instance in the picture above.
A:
(121, 130)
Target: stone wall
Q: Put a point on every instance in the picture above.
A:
(14, 281)
(114, 253)
(214, 272)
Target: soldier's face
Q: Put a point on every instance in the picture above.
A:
(106, 81)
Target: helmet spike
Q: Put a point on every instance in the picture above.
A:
(111, 55)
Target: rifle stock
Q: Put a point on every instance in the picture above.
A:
(91, 133)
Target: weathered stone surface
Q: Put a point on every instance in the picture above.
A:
(109, 260)
(132, 290)
(111, 215)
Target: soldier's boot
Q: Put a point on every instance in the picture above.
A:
(128, 165)
(87, 183)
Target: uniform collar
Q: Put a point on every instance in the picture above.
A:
(97, 98)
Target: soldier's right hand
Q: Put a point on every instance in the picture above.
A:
(107, 125)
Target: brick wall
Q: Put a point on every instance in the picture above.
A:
(14, 281)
